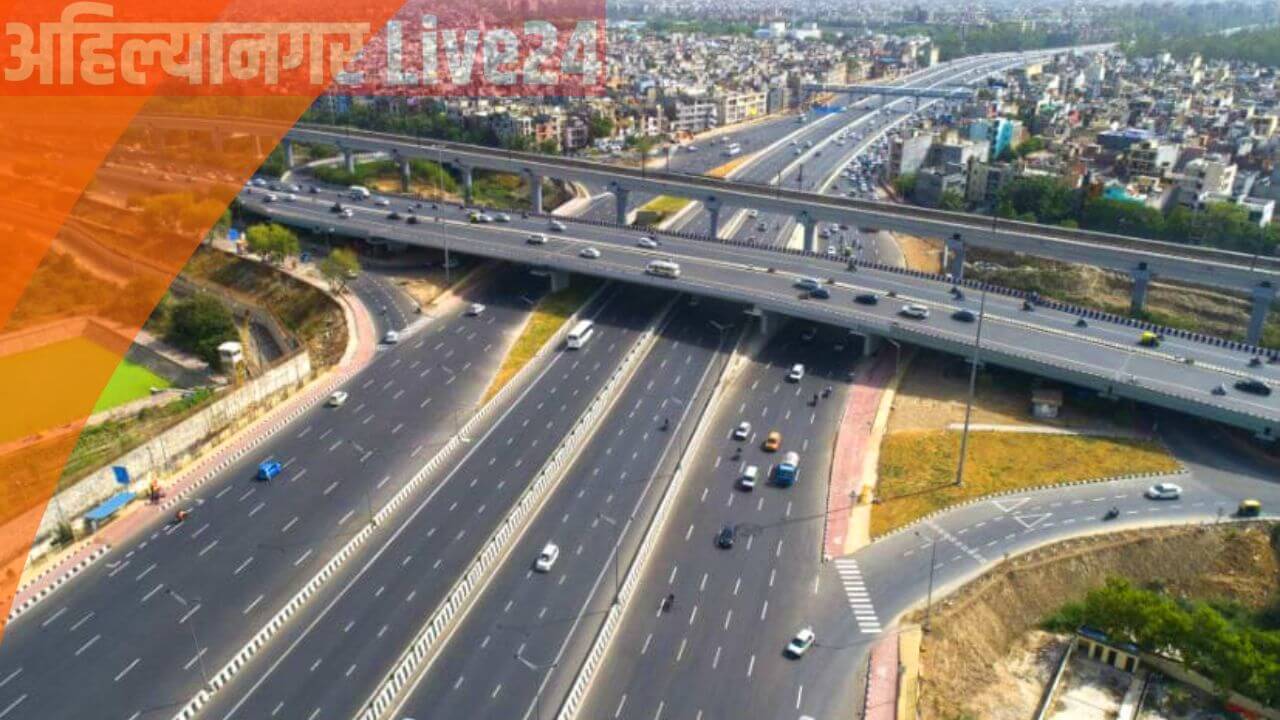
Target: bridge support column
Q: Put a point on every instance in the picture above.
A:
(466, 184)
(765, 319)
(406, 174)
(1141, 283)
(953, 258)
(713, 218)
(559, 280)
(349, 161)
(620, 196)
(1263, 296)
(287, 146)
(535, 193)
(257, 147)
(810, 236)
(871, 345)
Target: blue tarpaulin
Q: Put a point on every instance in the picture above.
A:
(110, 507)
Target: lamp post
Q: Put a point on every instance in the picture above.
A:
(199, 652)
(973, 379)
(535, 668)
(617, 550)
(933, 556)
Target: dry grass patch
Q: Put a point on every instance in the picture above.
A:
(547, 317)
(724, 170)
(917, 469)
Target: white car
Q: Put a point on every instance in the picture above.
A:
(347, 213)
(647, 243)
(1164, 491)
(475, 309)
(338, 399)
(801, 643)
(382, 202)
(743, 431)
(589, 252)
(391, 338)
(547, 558)
(797, 373)
(753, 214)
(271, 197)
(502, 218)
(536, 239)
(914, 311)
(557, 226)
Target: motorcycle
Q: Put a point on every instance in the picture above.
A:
(668, 602)
(1112, 514)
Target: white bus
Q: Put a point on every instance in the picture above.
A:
(359, 193)
(580, 334)
(664, 268)
(732, 150)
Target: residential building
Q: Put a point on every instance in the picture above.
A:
(932, 184)
(1152, 158)
(908, 155)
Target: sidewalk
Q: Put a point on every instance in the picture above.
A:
(856, 454)
(37, 582)
(882, 680)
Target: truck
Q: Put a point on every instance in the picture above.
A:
(784, 475)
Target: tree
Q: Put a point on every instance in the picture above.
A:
(951, 200)
(600, 126)
(199, 325)
(272, 241)
(905, 185)
(550, 146)
(338, 267)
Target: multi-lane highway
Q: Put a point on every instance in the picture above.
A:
(1185, 375)
(327, 661)
(526, 623)
(129, 627)
(717, 653)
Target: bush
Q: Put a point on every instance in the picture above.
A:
(199, 325)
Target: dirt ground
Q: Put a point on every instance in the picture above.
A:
(935, 386)
(1018, 679)
(985, 623)
(919, 253)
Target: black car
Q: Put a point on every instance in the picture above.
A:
(726, 537)
(963, 315)
(866, 299)
(313, 190)
(393, 215)
(412, 219)
(1254, 387)
(820, 293)
(336, 208)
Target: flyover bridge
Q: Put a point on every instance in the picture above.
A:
(1193, 375)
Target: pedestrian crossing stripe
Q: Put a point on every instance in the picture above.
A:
(856, 592)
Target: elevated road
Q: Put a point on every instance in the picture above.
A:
(1183, 375)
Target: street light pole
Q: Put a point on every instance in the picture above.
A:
(933, 557)
(973, 379)
(617, 550)
(533, 667)
(204, 675)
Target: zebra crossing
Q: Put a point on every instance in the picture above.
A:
(854, 589)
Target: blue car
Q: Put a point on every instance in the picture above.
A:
(268, 469)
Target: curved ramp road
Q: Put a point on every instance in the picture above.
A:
(328, 659)
(610, 492)
(135, 633)
(717, 654)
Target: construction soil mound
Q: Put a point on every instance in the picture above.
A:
(976, 628)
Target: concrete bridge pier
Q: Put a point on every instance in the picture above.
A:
(559, 280)
(406, 174)
(287, 146)
(467, 179)
(1141, 283)
(766, 319)
(810, 236)
(535, 192)
(953, 257)
(1263, 296)
(620, 196)
(713, 211)
(871, 344)
(349, 160)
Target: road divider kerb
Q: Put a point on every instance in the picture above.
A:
(604, 637)
(521, 378)
(62, 578)
(441, 623)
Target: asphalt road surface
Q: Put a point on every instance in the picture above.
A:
(548, 619)
(717, 653)
(128, 628)
(327, 661)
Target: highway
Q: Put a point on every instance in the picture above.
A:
(326, 661)
(605, 501)
(1103, 355)
(717, 654)
(128, 627)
